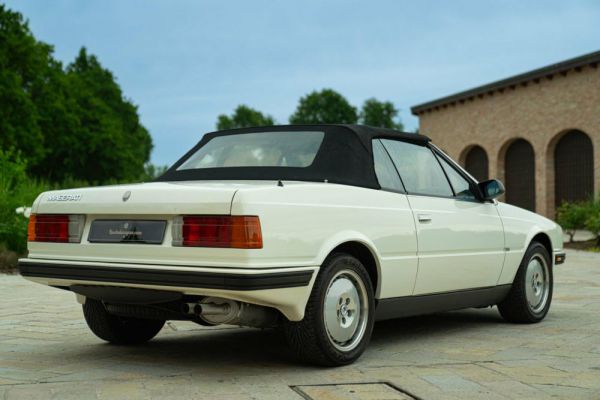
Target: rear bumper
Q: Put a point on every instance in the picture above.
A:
(286, 289)
(146, 276)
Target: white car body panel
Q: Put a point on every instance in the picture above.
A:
(460, 247)
(310, 220)
(147, 198)
(302, 223)
(520, 227)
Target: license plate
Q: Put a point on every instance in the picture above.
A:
(127, 231)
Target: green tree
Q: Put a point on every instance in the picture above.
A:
(381, 114)
(25, 65)
(152, 171)
(324, 107)
(72, 123)
(243, 117)
(103, 139)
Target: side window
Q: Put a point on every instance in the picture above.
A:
(384, 169)
(459, 183)
(419, 169)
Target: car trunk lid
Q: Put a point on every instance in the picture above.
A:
(156, 198)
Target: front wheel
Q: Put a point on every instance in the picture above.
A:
(339, 316)
(531, 294)
(118, 330)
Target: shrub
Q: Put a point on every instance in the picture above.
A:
(572, 216)
(16, 190)
(592, 221)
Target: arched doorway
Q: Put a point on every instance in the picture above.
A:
(573, 168)
(476, 163)
(519, 173)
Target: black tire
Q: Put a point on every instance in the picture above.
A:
(516, 307)
(309, 338)
(118, 330)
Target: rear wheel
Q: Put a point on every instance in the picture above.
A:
(339, 316)
(118, 330)
(531, 294)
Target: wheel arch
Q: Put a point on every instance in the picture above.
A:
(544, 240)
(363, 250)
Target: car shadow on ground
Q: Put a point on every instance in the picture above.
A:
(218, 350)
(432, 325)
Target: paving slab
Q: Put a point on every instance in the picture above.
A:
(47, 351)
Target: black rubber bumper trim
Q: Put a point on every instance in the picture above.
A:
(145, 276)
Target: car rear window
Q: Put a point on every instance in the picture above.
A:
(257, 149)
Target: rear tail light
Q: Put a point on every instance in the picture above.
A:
(60, 228)
(240, 232)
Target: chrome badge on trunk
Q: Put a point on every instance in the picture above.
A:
(64, 197)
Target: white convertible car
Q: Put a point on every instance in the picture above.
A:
(319, 229)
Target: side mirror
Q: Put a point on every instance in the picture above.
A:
(491, 189)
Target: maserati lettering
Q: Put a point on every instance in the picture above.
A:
(64, 197)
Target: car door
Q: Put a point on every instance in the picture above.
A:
(397, 246)
(460, 238)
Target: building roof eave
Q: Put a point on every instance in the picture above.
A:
(536, 74)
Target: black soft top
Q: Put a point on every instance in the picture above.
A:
(345, 157)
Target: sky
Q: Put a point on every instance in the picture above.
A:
(184, 62)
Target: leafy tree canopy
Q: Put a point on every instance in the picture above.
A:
(25, 64)
(381, 114)
(244, 117)
(67, 123)
(106, 138)
(324, 107)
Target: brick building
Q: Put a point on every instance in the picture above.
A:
(538, 132)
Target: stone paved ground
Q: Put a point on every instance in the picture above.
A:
(46, 352)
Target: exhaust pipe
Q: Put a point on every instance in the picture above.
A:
(188, 308)
(201, 309)
(205, 309)
(218, 311)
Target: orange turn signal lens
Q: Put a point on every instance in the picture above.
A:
(58, 228)
(31, 228)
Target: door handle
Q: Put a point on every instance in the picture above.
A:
(424, 217)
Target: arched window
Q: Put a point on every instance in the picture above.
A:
(476, 162)
(519, 172)
(573, 168)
